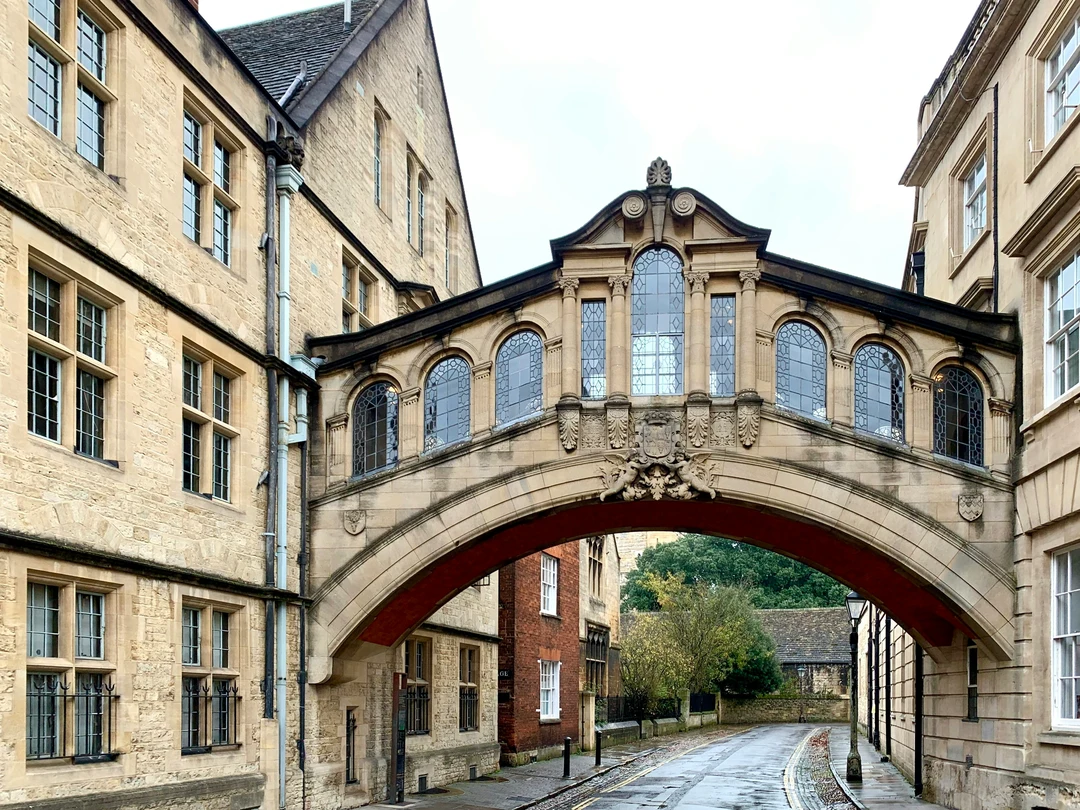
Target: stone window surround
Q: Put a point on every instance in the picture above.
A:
(66, 664)
(214, 134)
(450, 247)
(205, 671)
(384, 202)
(417, 177)
(359, 318)
(978, 148)
(1039, 146)
(1057, 724)
(1050, 397)
(205, 418)
(74, 287)
(73, 73)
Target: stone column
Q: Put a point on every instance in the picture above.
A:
(842, 403)
(1000, 433)
(409, 416)
(921, 408)
(571, 340)
(553, 370)
(588, 721)
(697, 377)
(337, 449)
(481, 398)
(620, 350)
(746, 371)
(684, 707)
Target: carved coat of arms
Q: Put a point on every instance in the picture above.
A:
(970, 507)
(354, 520)
(657, 467)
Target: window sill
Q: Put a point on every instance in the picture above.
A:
(550, 721)
(206, 499)
(69, 452)
(969, 251)
(1068, 737)
(1072, 396)
(963, 465)
(547, 615)
(1051, 147)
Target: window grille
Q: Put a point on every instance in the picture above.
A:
(222, 167)
(191, 637)
(350, 747)
(468, 690)
(222, 466)
(221, 640)
(91, 46)
(722, 346)
(446, 403)
(377, 167)
(192, 139)
(45, 14)
(222, 233)
(222, 397)
(417, 696)
(800, 369)
(192, 213)
(879, 392)
(375, 429)
(519, 377)
(48, 709)
(972, 681)
(596, 566)
(90, 126)
(593, 349)
(209, 712)
(657, 320)
(596, 656)
(958, 416)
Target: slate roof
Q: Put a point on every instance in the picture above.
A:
(809, 635)
(273, 49)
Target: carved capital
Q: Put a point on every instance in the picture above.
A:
(409, 398)
(337, 422)
(697, 279)
(841, 360)
(568, 286)
(481, 371)
(749, 278)
(1000, 406)
(619, 284)
(920, 384)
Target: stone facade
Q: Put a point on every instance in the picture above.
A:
(631, 544)
(600, 608)
(107, 554)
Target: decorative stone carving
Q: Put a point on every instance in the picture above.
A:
(749, 278)
(293, 149)
(970, 507)
(723, 429)
(619, 284)
(633, 207)
(593, 431)
(658, 466)
(684, 204)
(697, 424)
(569, 425)
(568, 286)
(337, 446)
(749, 420)
(658, 173)
(354, 521)
(617, 428)
(697, 279)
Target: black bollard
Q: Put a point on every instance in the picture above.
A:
(566, 758)
(599, 741)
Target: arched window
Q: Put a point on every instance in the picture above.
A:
(375, 429)
(519, 377)
(800, 369)
(446, 403)
(879, 392)
(958, 415)
(657, 323)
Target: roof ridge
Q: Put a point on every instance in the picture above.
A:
(289, 16)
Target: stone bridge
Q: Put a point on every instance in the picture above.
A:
(666, 371)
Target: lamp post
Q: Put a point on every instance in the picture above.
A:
(855, 605)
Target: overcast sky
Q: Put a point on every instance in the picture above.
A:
(794, 115)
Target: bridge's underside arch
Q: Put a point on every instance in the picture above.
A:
(930, 580)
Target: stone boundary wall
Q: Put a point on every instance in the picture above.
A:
(770, 709)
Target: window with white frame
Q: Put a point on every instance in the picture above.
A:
(68, 65)
(549, 585)
(975, 202)
(1062, 80)
(59, 690)
(211, 158)
(209, 436)
(550, 708)
(356, 296)
(1063, 328)
(1065, 690)
(69, 362)
(209, 695)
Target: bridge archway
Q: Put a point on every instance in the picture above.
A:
(929, 579)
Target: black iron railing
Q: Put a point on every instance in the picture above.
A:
(702, 702)
(617, 708)
(417, 709)
(209, 715)
(468, 709)
(51, 706)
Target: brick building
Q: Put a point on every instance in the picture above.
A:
(539, 654)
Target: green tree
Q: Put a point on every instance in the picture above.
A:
(772, 580)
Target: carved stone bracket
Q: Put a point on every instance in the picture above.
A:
(618, 425)
(657, 467)
(569, 423)
(697, 424)
(748, 410)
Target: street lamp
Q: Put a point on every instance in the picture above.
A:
(856, 605)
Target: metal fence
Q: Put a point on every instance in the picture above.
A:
(617, 708)
(93, 711)
(703, 702)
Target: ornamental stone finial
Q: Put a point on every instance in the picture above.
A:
(659, 173)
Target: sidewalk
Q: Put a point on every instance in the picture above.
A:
(511, 788)
(883, 786)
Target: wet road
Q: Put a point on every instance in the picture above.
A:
(743, 772)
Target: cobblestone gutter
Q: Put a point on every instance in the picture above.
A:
(809, 779)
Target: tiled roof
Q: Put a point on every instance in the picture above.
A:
(273, 49)
(809, 635)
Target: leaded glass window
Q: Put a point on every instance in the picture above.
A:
(375, 429)
(800, 369)
(446, 403)
(722, 346)
(657, 319)
(519, 377)
(593, 350)
(879, 392)
(958, 415)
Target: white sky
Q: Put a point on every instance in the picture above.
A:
(793, 115)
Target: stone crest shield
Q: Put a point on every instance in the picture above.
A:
(970, 507)
(354, 520)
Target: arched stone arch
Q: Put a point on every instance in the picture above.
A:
(435, 354)
(813, 313)
(667, 241)
(896, 339)
(977, 364)
(505, 325)
(929, 578)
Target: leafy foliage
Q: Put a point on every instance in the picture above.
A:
(772, 580)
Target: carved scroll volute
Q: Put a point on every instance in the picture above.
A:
(337, 449)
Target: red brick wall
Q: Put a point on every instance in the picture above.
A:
(527, 636)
